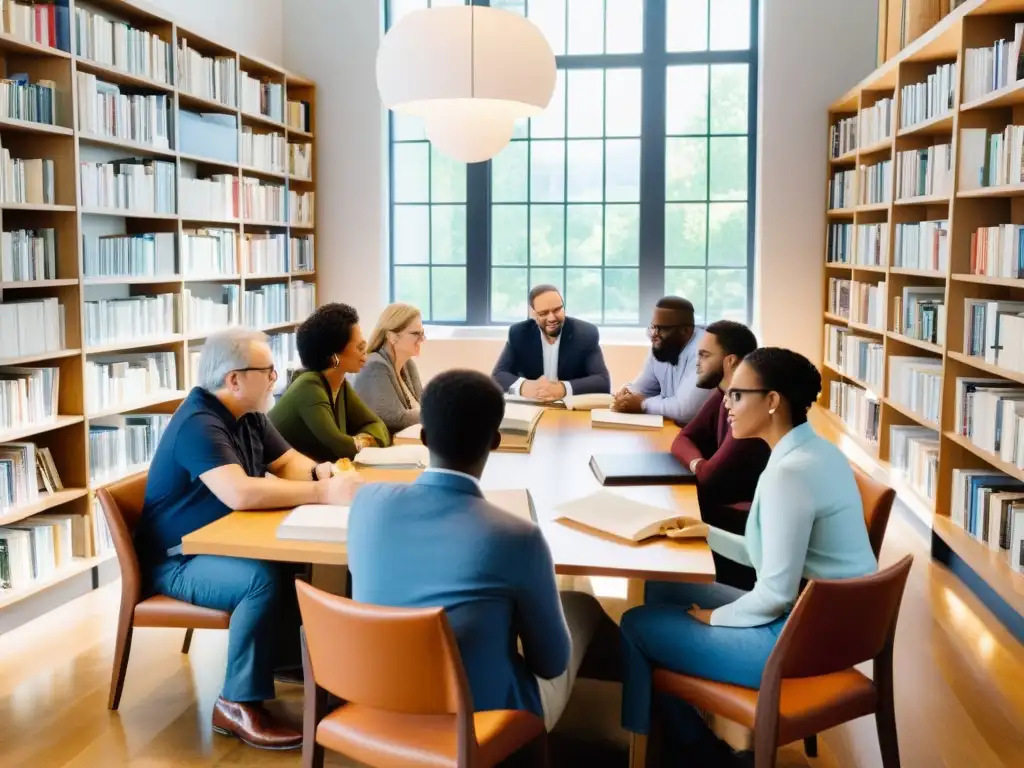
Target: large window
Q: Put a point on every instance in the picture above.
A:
(636, 182)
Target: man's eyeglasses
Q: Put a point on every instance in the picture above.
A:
(735, 395)
(543, 313)
(270, 370)
(664, 330)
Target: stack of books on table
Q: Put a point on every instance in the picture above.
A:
(517, 429)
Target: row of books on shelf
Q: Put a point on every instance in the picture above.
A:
(39, 23)
(103, 110)
(914, 454)
(858, 244)
(922, 245)
(843, 136)
(991, 159)
(209, 307)
(876, 122)
(859, 409)
(989, 506)
(998, 251)
(925, 172)
(132, 184)
(841, 190)
(123, 379)
(114, 43)
(993, 67)
(26, 471)
(263, 97)
(920, 102)
(27, 255)
(121, 445)
(203, 253)
(858, 302)
(857, 356)
(31, 327)
(27, 396)
(915, 383)
(26, 180)
(994, 331)
(874, 183)
(23, 100)
(209, 77)
(109, 321)
(298, 116)
(919, 312)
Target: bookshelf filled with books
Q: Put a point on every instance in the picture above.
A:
(155, 186)
(924, 283)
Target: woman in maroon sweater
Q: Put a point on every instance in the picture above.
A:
(727, 469)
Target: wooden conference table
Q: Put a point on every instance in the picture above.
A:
(555, 471)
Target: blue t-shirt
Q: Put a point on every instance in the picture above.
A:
(202, 435)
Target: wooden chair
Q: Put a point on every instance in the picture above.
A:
(122, 508)
(809, 683)
(878, 499)
(407, 700)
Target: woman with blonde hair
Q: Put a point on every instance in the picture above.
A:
(389, 382)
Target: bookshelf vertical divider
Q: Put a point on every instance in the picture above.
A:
(67, 436)
(975, 24)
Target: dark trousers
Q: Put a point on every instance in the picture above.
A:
(732, 518)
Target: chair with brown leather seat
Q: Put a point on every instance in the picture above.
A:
(809, 683)
(407, 700)
(878, 499)
(122, 508)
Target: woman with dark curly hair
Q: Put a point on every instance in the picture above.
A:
(320, 414)
(806, 521)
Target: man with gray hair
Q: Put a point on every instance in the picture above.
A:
(220, 452)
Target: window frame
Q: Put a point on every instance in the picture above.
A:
(653, 63)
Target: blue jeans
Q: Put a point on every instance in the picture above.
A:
(256, 593)
(662, 634)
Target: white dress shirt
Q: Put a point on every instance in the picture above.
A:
(550, 352)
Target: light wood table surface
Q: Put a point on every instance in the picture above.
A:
(556, 470)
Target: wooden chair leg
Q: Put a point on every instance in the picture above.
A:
(122, 649)
(885, 716)
(314, 709)
(811, 746)
(188, 640)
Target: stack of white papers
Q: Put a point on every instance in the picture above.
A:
(316, 522)
(405, 456)
(614, 420)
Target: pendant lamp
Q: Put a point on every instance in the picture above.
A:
(470, 72)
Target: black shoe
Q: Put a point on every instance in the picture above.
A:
(289, 675)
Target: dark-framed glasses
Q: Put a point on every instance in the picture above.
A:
(270, 370)
(735, 394)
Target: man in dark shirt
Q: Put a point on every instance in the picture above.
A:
(213, 458)
(727, 469)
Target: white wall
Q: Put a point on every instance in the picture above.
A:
(811, 54)
(253, 27)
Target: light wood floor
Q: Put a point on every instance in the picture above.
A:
(959, 676)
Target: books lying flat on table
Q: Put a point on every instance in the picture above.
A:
(329, 523)
(627, 519)
(603, 417)
(410, 456)
(517, 429)
(640, 469)
(570, 403)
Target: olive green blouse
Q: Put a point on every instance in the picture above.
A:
(321, 426)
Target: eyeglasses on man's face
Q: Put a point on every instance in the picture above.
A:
(270, 370)
(665, 330)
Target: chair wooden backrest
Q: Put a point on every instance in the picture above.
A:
(834, 626)
(878, 499)
(121, 503)
(402, 660)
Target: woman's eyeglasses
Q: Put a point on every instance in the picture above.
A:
(418, 335)
(735, 395)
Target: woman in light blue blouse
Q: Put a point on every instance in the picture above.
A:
(806, 520)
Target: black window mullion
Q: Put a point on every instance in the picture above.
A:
(478, 243)
(652, 159)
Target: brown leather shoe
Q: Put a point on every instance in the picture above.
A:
(253, 725)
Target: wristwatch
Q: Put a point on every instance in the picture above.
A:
(312, 473)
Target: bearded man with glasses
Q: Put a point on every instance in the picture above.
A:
(668, 386)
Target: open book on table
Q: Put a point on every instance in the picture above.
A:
(411, 456)
(569, 403)
(610, 419)
(630, 520)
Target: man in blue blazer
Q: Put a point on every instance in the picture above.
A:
(552, 356)
(439, 542)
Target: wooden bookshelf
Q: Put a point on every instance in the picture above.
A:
(975, 24)
(68, 143)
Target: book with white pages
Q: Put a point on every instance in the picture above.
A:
(520, 418)
(520, 399)
(609, 419)
(411, 456)
(630, 520)
(316, 522)
(569, 402)
(329, 523)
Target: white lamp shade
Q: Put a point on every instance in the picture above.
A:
(433, 57)
(472, 132)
